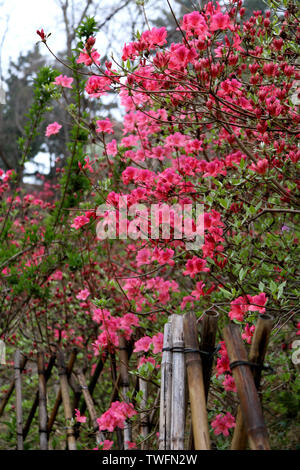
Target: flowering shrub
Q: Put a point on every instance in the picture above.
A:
(211, 120)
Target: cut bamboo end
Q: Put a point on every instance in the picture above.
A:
(249, 400)
(196, 384)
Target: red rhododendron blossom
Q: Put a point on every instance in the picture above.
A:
(194, 266)
(64, 81)
(79, 418)
(53, 129)
(258, 302)
(222, 423)
(116, 416)
(239, 307)
(248, 333)
(229, 383)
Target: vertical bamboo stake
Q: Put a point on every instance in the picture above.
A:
(64, 386)
(18, 386)
(166, 391)
(144, 416)
(178, 385)
(11, 388)
(42, 402)
(125, 386)
(209, 323)
(257, 354)
(36, 400)
(196, 384)
(59, 395)
(249, 400)
(90, 406)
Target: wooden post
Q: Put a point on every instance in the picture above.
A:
(249, 400)
(209, 323)
(18, 387)
(11, 387)
(59, 395)
(178, 384)
(166, 391)
(196, 384)
(125, 386)
(64, 386)
(256, 355)
(42, 402)
(90, 406)
(36, 400)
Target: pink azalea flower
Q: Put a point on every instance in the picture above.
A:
(80, 221)
(79, 418)
(85, 58)
(106, 445)
(52, 129)
(248, 333)
(64, 81)
(229, 384)
(158, 341)
(104, 126)
(142, 344)
(83, 294)
(222, 423)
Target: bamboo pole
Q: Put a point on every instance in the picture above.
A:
(249, 400)
(90, 406)
(123, 353)
(196, 384)
(11, 388)
(166, 391)
(64, 386)
(58, 400)
(257, 354)
(178, 384)
(93, 381)
(144, 415)
(36, 400)
(42, 402)
(209, 323)
(18, 387)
